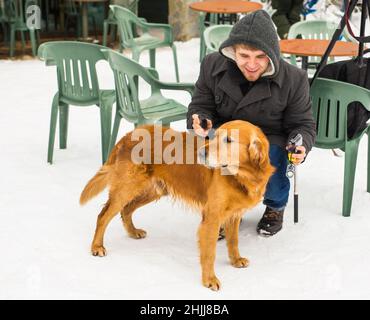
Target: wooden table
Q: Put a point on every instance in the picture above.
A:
(228, 7)
(313, 47)
(85, 18)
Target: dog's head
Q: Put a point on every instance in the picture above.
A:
(236, 145)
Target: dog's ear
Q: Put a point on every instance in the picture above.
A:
(258, 153)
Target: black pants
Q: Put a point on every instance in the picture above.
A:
(287, 13)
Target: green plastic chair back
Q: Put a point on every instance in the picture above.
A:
(330, 99)
(128, 23)
(314, 29)
(215, 35)
(77, 85)
(132, 5)
(76, 69)
(155, 109)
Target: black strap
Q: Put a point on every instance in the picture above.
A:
(362, 39)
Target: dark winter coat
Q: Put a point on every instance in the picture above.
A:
(278, 103)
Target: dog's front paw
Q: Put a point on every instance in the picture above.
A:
(98, 251)
(240, 262)
(138, 234)
(212, 283)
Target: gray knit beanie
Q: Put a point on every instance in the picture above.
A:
(257, 30)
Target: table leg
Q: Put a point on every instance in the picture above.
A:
(85, 21)
(61, 16)
(305, 63)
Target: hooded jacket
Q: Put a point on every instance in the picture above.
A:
(278, 102)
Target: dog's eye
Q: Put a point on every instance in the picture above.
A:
(227, 139)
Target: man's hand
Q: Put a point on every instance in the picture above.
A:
(198, 129)
(299, 154)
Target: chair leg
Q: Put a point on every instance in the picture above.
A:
(79, 27)
(95, 29)
(33, 42)
(113, 32)
(368, 159)
(113, 137)
(23, 40)
(106, 125)
(66, 23)
(63, 125)
(152, 58)
(53, 124)
(202, 50)
(12, 41)
(201, 30)
(175, 62)
(105, 33)
(349, 176)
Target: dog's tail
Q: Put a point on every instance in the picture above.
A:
(96, 185)
(99, 182)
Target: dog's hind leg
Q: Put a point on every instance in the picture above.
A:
(130, 208)
(208, 234)
(111, 208)
(232, 241)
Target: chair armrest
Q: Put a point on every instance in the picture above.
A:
(189, 87)
(153, 72)
(42, 55)
(167, 29)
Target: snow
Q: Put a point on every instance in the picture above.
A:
(46, 235)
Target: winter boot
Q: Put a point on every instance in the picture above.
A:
(271, 222)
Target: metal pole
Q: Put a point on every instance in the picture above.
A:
(295, 196)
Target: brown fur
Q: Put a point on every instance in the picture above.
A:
(222, 199)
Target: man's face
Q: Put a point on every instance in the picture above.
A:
(252, 63)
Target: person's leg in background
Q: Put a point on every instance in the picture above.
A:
(294, 15)
(276, 195)
(280, 17)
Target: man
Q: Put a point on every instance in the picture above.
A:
(287, 13)
(248, 80)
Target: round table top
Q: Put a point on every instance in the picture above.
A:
(232, 6)
(315, 47)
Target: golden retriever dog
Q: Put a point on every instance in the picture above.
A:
(220, 187)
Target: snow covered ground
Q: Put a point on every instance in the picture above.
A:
(46, 235)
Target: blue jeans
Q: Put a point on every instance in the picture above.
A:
(277, 190)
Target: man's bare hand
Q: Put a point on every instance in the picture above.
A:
(299, 155)
(198, 129)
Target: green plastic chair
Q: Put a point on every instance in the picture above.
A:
(77, 85)
(203, 25)
(330, 99)
(111, 22)
(314, 29)
(215, 35)
(156, 108)
(146, 41)
(17, 22)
